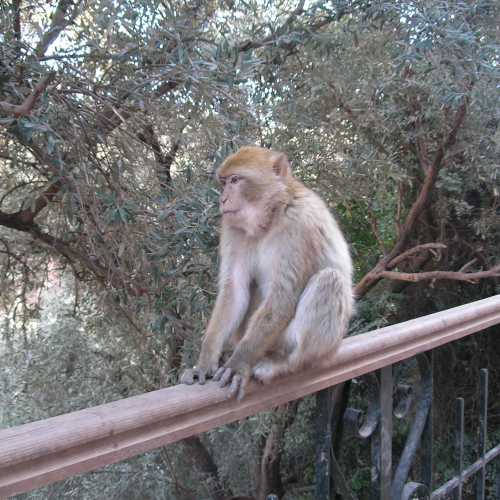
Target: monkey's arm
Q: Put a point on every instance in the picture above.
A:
(230, 308)
(267, 324)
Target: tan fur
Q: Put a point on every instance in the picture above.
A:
(285, 280)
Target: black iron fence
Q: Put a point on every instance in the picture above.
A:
(391, 481)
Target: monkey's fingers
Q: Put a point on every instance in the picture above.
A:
(201, 376)
(218, 373)
(187, 377)
(243, 385)
(226, 377)
(236, 387)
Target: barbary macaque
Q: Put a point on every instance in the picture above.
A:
(285, 279)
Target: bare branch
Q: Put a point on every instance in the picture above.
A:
(494, 272)
(279, 36)
(376, 232)
(23, 219)
(205, 464)
(430, 180)
(420, 143)
(468, 265)
(164, 160)
(26, 225)
(16, 7)
(414, 251)
(12, 221)
(13, 189)
(60, 20)
(373, 277)
(26, 107)
(399, 206)
(269, 476)
(70, 253)
(422, 153)
(63, 248)
(28, 214)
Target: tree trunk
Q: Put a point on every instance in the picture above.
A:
(205, 464)
(269, 478)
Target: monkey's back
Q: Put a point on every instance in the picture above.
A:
(309, 218)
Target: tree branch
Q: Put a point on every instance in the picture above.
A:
(414, 251)
(205, 464)
(375, 230)
(26, 107)
(14, 221)
(72, 255)
(16, 7)
(269, 478)
(27, 215)
(164, 160)
(399, 206)
(430, 180)
(422, 153)
(60, 20)
(468, 265)
(376, 274)
(11, 255)
(88, 262)
(279, 35)
(420, 143)
(494, 272)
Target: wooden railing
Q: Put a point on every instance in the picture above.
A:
(39, 453)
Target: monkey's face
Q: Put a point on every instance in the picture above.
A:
(254, 182)
(233, 199)
(241, 201)
(230, 202)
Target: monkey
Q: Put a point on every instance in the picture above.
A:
(285, 294)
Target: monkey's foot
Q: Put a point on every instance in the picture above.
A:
(225, 375)
(264, 371)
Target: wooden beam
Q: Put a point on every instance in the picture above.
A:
(43, 452)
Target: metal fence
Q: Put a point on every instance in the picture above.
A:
(392, 482)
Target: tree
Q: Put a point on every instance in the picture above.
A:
(114, 114)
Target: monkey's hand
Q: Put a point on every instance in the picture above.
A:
(236, 373)
(200, 373)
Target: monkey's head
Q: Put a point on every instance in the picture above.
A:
(255, 182)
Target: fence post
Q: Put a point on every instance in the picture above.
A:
(428, 434)
(497, 479)
(460, 447)
(386, 432)
(483, 428)
(324, 409)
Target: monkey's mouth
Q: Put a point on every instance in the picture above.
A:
(230, 212)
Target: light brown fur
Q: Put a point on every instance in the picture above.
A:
(285, 280)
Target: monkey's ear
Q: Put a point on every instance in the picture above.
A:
(281, 166)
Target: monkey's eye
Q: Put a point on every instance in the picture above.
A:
(234, 179)
(222, 181)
